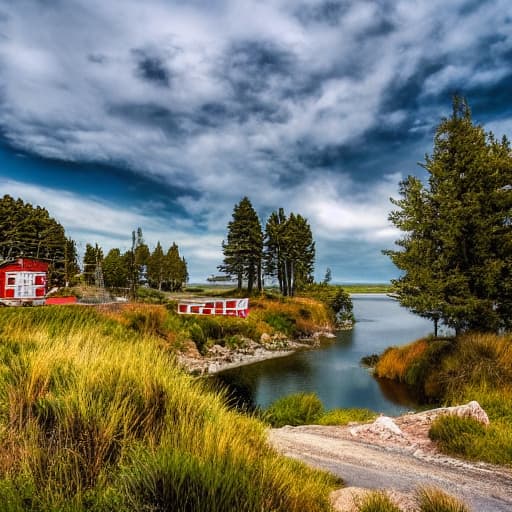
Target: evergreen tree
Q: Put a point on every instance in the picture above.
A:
(328, 276)
(92, 258)
(455, 255)
(71, 267)
(115, 270)
(29, 231)
(243, 249)
(156, 267)
(176, 269)
(289, 251)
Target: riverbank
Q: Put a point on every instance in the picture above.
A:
(220, 358)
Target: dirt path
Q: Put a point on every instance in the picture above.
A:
(484, 487)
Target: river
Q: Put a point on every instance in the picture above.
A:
(333, 371)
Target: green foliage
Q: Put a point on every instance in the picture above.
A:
(335, 297)
(296, 409)
(455, 252)
(471, 367)
(29, 231)
(454, 432)
(345, 416)
(150, 296)
(289, 251)
(468, 438)
(377, 501)
(434, 500)
(243, 249)
(282, 322)
(115, 270)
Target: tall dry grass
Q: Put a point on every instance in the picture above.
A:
(396, 361)
(94, 415)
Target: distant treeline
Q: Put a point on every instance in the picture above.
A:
(29, 231)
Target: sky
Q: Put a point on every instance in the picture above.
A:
(163, 114)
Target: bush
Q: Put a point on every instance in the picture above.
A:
(282, 322)
(150, 296)
(454, 434)
(434, 500)
(377, 501)
(296, 409)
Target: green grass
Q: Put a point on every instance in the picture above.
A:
(428, 499)
(431, 499)
(367, 288)
(296, 409)
(377, 501)
(307, 408)
(95, 415)
(345, 416)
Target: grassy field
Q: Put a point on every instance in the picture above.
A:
(95, 415)
(453, 371)
(367, 288)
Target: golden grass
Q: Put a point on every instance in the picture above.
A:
(94, 415)
(395, 361)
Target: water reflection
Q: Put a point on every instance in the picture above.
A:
(333, 371)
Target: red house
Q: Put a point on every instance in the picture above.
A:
(23, 281)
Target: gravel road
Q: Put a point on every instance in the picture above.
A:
(484, 487)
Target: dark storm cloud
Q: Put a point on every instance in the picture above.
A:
(151, 68)
(329, 12)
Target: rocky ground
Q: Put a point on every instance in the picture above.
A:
(220, 358)
(397, 455)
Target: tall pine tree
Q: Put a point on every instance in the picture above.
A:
(456, 251)
(243, 249)
(289, 251)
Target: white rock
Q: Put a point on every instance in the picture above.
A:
(388, 424)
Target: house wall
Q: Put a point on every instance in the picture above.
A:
(32, 272)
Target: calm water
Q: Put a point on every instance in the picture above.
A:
(333, 372)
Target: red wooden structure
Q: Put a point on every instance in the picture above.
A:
(214, 306)
(23, 281)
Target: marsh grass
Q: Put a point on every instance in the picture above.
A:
(95, 415)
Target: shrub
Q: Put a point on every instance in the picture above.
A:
(377, 501)
(296, 409)
(150, 296)
(282, 322)
(434, 500)
(395, 361)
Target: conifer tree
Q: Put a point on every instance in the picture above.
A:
(115, 271)
(92, 257)
(455, 254)
(29, 231)
(289, 251)
(243, 249)
(156, 267)
(176, 273)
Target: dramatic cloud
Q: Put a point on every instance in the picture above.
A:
(317, 106)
